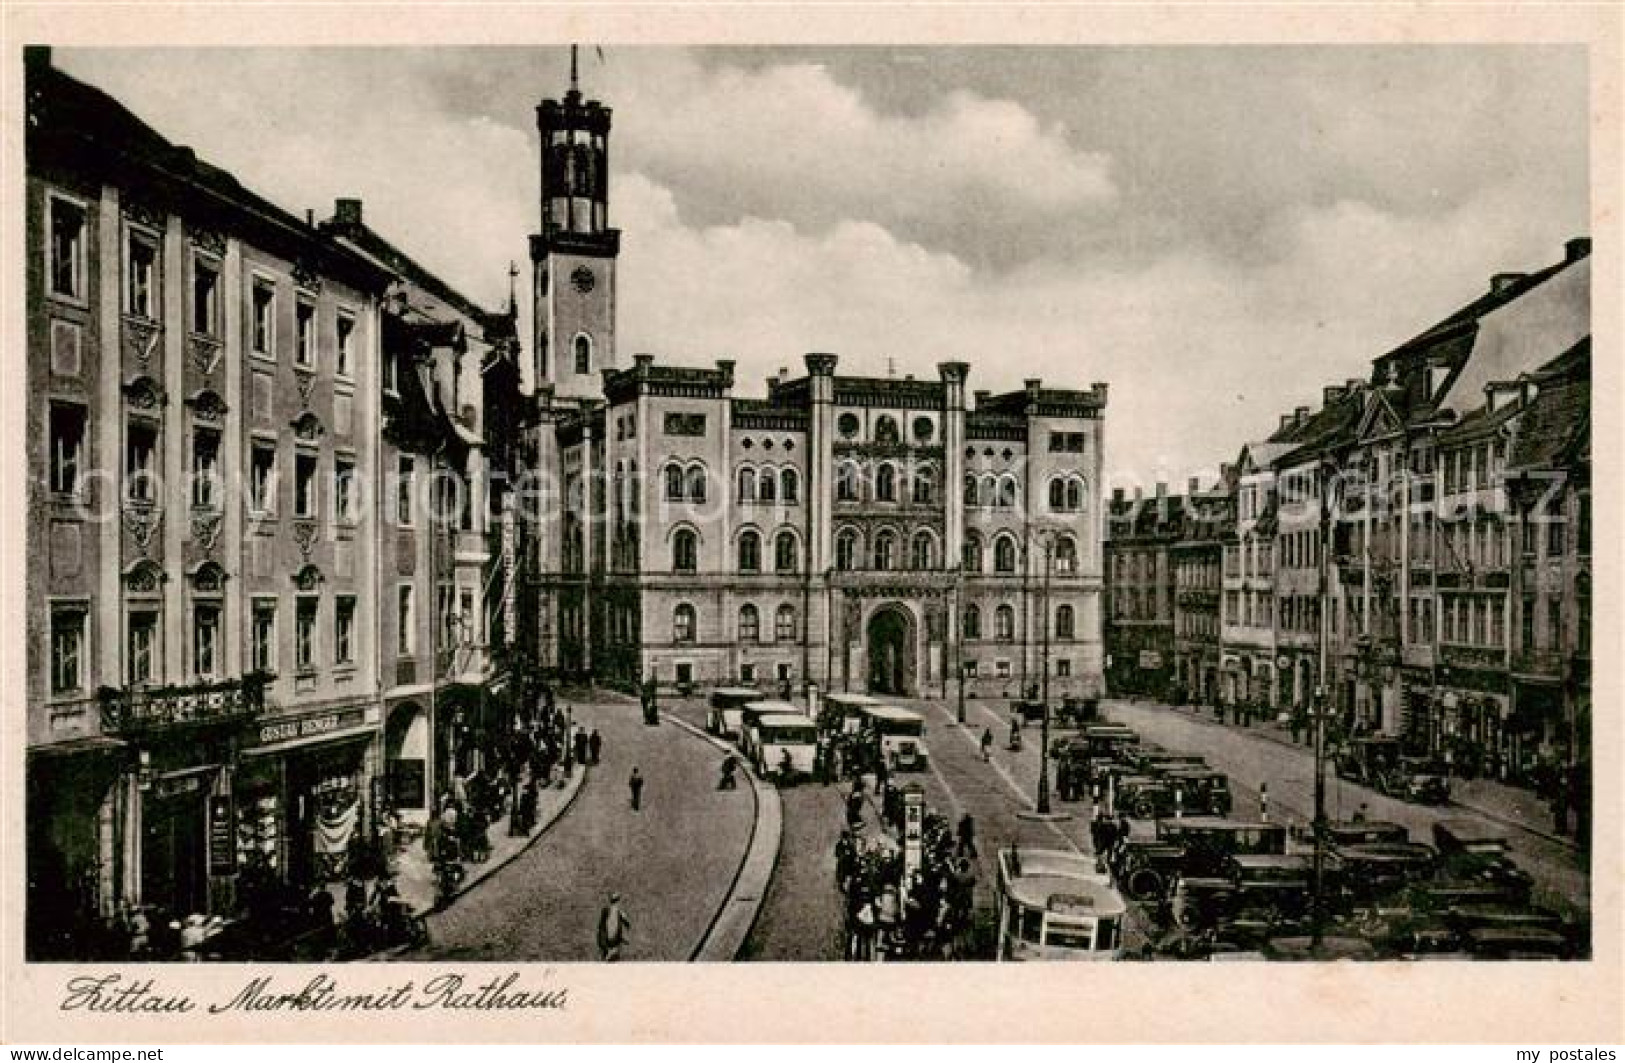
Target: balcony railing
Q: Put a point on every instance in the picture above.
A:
(130, 711)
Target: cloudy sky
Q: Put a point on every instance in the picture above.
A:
(1216, 232)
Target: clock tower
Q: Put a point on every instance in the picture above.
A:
(573, 257)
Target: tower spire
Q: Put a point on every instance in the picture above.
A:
(575, 77)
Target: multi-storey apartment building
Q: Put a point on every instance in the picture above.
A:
(864, 533)
(203, 408)
(1141, 590)
(1197, 556)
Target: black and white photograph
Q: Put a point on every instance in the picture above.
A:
(597, 502)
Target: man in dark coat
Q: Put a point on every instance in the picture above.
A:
(595, 746)
(635, 785)
(581, 743)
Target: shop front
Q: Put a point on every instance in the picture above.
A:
(76, 798)
(305, 795)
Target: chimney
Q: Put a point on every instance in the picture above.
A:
(982, 397)
(1193, 486)
(37, 57)
(1352, 387)
(1576, 249)
(1137, 494)
(1117, 497)
(347, 212)
(1162, 489)
(310, 218)
(1301, 414)
(1500, 282)
(1331, 394)
(1287, 420)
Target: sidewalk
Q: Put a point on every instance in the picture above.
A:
(1505, 804)
(415, 877)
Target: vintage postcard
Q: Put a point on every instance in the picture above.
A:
(547, 523)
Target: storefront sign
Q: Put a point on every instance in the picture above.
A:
(222, 836)
(311, 725)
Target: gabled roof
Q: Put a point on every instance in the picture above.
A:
(1555, 428)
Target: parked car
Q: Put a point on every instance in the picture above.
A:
(1474, 852)
(1418, 779)
(1201, 790)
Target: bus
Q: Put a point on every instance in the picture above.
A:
(1054, 905)
(750, 714)
(900, 734)
(779, 737)
(844, 712)
(723, 717)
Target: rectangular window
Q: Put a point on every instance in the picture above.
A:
(304, 485)
(67, 650)
(1002, 669)
(304, 334)
(205, 640)
(141, 462)
(404, 477)
(344, 631)
(1063, 668)
(970, 669)
(304, 634)
(205, 468)
(406, 621)
(262, 478)
(264, 318)
(465, 610)
(392, 372)
(205, 298)
(141, 657)
(344, 352)
(747, 673)
(67, 447)
(141, 291)
(345, 507)
(263, 636)
(67, 265)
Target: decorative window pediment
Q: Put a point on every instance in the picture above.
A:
(207, 405)
(144, 393)
(307, 427)
(209, 578)
(308, 578)
(144, 577)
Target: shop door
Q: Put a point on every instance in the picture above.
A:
(174, 875)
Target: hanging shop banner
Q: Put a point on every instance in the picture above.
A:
(222, 836)
(311, 725)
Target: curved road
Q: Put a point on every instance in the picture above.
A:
(672, 862)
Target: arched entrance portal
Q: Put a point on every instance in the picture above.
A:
(892, 652)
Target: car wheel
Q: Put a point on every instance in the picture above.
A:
(1145, 808)
(1143, 883)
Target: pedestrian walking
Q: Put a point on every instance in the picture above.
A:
(595, 746)
(966, 845)
(635, 785)
(1264, 801)
(987, 744)
(613, 925)
(582, 744)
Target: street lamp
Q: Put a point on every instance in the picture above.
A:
(959, 636)
(1043, 739)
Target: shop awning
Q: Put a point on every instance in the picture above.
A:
(350, 734)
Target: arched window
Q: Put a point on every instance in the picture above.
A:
(583, 347)
(674, 483)
(1007, 492)
(682, 623)
(784, 624)
(885, 429)
(846, 483)
(767, 488)
(986, 491)
(1004, 554)
(885, 483)
(920, 554)
(1066, 555)
(972, 559)
(973, 622)
(885, 551)
(1074, 495)
(846, 550)
(925, 487)
(1057, 494)
(970, 490)
(789, 486)
(696, 483)
(784, 552)
(750, 552)
(1065, 623)
(747, 485)
(1004, 623)
(685, 551)
(750, 624)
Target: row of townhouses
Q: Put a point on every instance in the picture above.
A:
(1416, 552)
(271, 545)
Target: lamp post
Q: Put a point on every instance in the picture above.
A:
(1317, 911)
(1043, 739)
(959, 638)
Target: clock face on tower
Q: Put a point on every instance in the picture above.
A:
(583, 279)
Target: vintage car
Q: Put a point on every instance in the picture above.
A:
(1444, 894)
(1210, 841)
(1369, 872)
(1078, 711)
(1153, 761)
(1418, 779)
(1367, 760)
(1277, 883)
(1142, 796)
(1030, 709)
(1364, 832)
(1471, 851)
(1200, 790)
(1467, 917)
(1147, 867)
